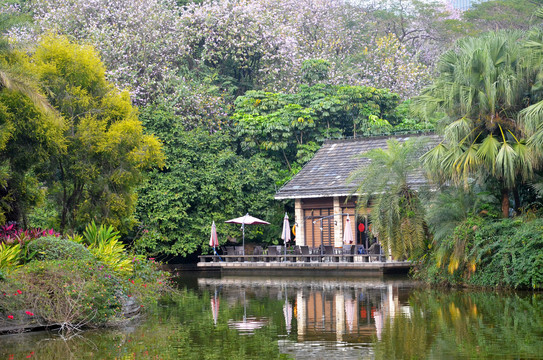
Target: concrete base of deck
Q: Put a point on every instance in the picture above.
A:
(309, 268)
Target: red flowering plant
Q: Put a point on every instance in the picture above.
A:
(148, 281)
(14, 240)
(11, 233)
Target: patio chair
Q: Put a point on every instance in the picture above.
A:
(230, 251)
(305, 253)
(272, 250)
(239, 251)
(375, 252)
(298, 253)
(328, 252)
(257, 252)
(348, 253)
(315, 251)
(361, 250)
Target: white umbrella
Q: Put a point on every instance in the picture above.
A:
(246, 220)
(348, 232)
(285, 235)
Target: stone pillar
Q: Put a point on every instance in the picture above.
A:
(338, 223)
(300, 222)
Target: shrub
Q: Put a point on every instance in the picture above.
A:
(56, 248)
(77, 293)
(495, 253)
(9, 256)
(510, 253)
(148, 282)
(105, 245)
(69, 293)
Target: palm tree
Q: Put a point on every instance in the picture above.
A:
(482, 86)
(397, 214)
(531, 118)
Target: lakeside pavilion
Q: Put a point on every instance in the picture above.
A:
(323, 196)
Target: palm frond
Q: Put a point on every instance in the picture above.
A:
(467, 163)
(396, 212)
(531, 118)
(459, 130)
(526, 160)
(506, 160)
(487, 152)
(535, 142)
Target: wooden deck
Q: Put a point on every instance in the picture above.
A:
(345, 265)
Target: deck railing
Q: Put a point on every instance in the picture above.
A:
(295, 258)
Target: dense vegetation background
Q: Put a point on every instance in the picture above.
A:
(158, 117)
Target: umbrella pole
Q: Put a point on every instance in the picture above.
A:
(243, 236)
(216, 253)
(322, 243)
(285, 237)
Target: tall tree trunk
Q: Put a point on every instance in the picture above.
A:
(505, 203)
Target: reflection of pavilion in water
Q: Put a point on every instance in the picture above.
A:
(348, 314)
(329, 310)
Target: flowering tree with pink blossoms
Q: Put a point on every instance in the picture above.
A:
(390, 65)
(139, 41)
(152, 47)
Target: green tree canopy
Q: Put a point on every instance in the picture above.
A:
(30, 131)
(291, 127)
(107, 150)
(503, 14)
(204, 180)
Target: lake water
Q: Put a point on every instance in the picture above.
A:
(310, 318)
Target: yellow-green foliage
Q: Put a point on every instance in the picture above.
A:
(9, 256)
(29, 135)
(107, 149)
(103, 242)
(75, 68)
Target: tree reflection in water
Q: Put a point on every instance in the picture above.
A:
(310, 319)
(465, 324)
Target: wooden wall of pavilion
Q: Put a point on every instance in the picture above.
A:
(330, 214)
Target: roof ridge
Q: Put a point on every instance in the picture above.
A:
(377, 137)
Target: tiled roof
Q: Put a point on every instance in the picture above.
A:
(327, 172)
